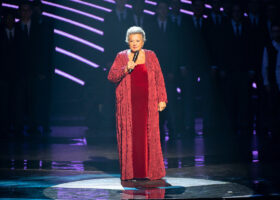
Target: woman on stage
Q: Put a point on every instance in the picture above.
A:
(140, 94)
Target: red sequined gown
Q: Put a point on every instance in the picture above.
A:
(127, 117)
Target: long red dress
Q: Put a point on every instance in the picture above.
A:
(139, 100)
(124, 113)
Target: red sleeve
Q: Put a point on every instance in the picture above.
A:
(116, 72)
(161, 91)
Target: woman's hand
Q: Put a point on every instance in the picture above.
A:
(161, 106)
(130, 65)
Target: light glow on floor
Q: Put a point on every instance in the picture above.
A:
(115, 184)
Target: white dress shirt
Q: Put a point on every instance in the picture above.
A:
(254, 19)
(217, 19)
(28, 26)
(197, 22)
(10, 31)
(266, 63)
(123, 14)
(176, 19)
(162, 24)
(138, 21)
(236, 26)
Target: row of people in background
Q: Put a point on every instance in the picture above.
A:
(209, 62)
(25, 72)
(210, 59)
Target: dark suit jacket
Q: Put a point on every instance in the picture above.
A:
(196, 54)
(8, 53)
(45, 48)
(28, 50)
(162, 43)
(177, 41)
(256, 42)
(146, 19)
(115, 33)
(235, 49)
(215, 34)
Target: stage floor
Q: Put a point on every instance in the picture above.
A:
(74, 165)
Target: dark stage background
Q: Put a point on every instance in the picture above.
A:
(219, 132)
(210, 71)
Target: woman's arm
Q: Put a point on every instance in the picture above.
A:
(160, 85)
(117, 71)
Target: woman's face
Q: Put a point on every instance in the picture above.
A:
(135, 42)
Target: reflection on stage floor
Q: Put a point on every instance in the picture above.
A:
(73, 165)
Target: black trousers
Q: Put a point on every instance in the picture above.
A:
(198, 98)
(4, 106)
(170, 114)
(42, 100)
(270, 109)
(237, 97)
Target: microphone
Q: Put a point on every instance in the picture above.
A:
(134, 59)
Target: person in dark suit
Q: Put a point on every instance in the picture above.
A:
(214, 36)
(236, 69)
(138, 16)
(216, 17)
(178, 23)
(117, 22)
(196, 72)
(256, 25)
(254, 13)
(28, 49)
(119, 19)
(256, 42)
(9, 76)
(271, 16)
(271, 81)
(161, 29)
(44, 66)
(226, 5)
(175, 15)
(216, 22)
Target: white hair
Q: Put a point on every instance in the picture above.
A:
(135, 30)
